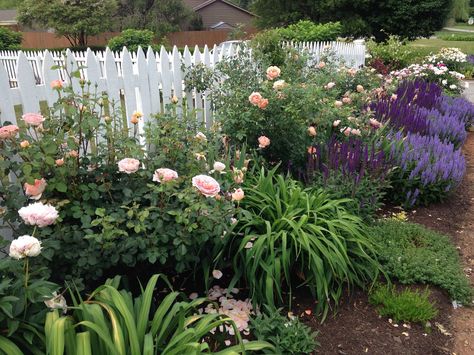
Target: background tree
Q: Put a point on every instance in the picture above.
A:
(159, 16)
(74, 19)
(408, 18)
(460, 10)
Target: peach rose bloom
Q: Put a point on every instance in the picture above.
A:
(336, 123)
(24, 144)
(8, 131)
(174, 99)
(36, 190)
(346, 100)
(164, 175)
(273, 72)
(56, 84)
(73, 153)
(128, 165)
(394, 97)
(59, 162)
(338, 103)
(238, 195)
(279, 84)
(206, 185)
(311, 150)
(263, 104)
(255, 98)
(33, 119)
(263, 142)
(346, 131)
(374, 123)
(238, 176)
(321, 65)
(312, 131)
(360, 88)
(355, 132)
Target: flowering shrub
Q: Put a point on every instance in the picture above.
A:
(119, 207)
(452, 57)
(252, 101)
(439, 73)
(429, 169)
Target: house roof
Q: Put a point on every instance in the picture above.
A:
(8, 16)
(197, 5)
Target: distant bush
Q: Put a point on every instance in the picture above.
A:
(9, 40)
(305, 30)
(132, 39)
(456, 37)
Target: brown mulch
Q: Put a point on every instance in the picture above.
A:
(358, 329)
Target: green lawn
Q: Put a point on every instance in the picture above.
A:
(427, 45)
(463, 26)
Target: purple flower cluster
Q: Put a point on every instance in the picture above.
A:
(421, 107)
(428, 168)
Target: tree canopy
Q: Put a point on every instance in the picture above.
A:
(74, 19)
(408, 18)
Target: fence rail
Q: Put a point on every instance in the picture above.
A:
(143, 82)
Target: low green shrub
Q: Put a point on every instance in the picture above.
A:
(10, 40)
(132, 39)
(288, 235)
(393, 53)
(289, 336)
(413, 254)
(404, 306)
(455, 37)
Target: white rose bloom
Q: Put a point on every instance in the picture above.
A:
(24, 246)
(218, 166)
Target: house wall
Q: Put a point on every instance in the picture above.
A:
(220, 11)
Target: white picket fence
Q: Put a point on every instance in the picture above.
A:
(145, 83)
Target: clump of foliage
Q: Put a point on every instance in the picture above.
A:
(393, 54)
(307, 31)
(289, 336)
(10, 40)
(404, 306)
(112, 321)
(132, 40)
(287, 234)
(413, 254)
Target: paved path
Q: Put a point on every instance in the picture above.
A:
(458, 29)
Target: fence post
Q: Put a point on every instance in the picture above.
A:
(359, 45)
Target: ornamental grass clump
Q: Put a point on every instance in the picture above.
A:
(288, 235)
(428, 169)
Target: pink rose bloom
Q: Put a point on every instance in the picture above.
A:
(238, 195)
(206, 185)
(338, 103)
(336, 123)
(128, 165)
(355, 132)
(33, 119)
(56, 84)
(164, 175)
(330, 85)
(36, 190)
(346, 131)
(374, 123)
(273, 72)
(263, 142)
(263, 104)
(217, 274)
(38, 214)
(8, 131)
(346, 100)
(255, 98)
(321, 65)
